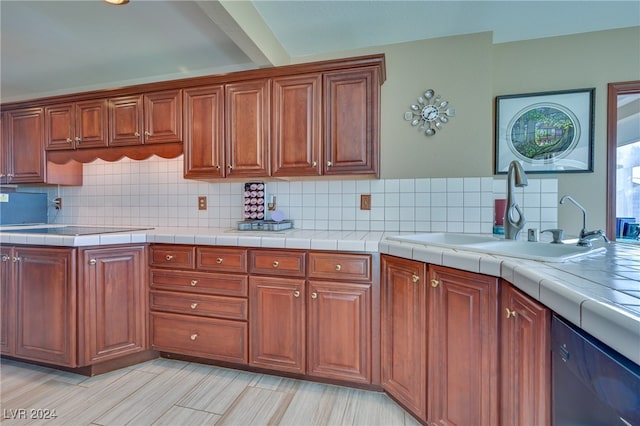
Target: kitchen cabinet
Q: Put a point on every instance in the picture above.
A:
(404, 332)
(112, 302)
(296, 132)
(463, 337)
(76, 125)
(23, 158)
(351, 121)
(204, 132)
(525, 358)
(198, 301)
(148, 118)
(247, 128)
(41, 284)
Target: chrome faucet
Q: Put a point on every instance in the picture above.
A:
(585, 237)
(515, 178)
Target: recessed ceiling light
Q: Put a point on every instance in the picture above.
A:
(117, 2)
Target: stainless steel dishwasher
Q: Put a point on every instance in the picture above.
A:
(592, 384)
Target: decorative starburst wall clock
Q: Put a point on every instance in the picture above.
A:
(430, 113)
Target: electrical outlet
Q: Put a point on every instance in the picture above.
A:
(365, 201)
(202, 203)
(58, 203)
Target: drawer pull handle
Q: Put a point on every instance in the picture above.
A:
(415, 278)
(193, 283)
(296, 293)
(194, 305)
(275, 263)
(169, 257)
(92, 262)
(194, 336)
(435, 283)
(314, 295)
(219, 260)
(510, 313)
(338, 267)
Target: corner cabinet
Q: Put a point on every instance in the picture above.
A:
(112, 302)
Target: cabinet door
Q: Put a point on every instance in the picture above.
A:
(404, 332)
(91, 124)
(25, 136)
(247, 128)
(462, 361)
(204, 132)
(339, 327)
(295, 126)
(351, 115)
(163, 117)
(113, 303)
(277, 323)
(7, 304)
(525, 359)
(60, 126)
(125, 120)
(45, 283)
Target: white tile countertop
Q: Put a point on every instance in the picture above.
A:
(599, 292)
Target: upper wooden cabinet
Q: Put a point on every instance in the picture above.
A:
(351, 121)
(23, 146)
(146, 119)
(76, 125)
(296, 108)
(247, 128)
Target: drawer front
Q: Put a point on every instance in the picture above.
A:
(199, 282)
(222, 259)
(340, 266)
(172, 256)
(277, 262)
(197, 304)
(212, 338)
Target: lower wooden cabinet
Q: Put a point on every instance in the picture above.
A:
(112, 303)
(404, 332)
(525, 355)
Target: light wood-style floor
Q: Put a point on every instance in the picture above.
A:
(170, 392)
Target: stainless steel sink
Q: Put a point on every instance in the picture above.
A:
(488, 244)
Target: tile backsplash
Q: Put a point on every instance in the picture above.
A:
(153, 192)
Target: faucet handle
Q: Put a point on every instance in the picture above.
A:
(557, 235)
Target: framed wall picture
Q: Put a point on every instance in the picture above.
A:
(549, 132)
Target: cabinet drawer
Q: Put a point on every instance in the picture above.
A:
(222, 259)
(197, 304)
(173, 256)
(199, 282)
(340, 266)
(212, 338)
(277, 262)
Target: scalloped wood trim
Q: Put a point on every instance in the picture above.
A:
(115, 153)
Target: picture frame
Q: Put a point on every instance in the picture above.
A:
(547, 132)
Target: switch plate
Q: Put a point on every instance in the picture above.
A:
(202, 202)
(365, 201)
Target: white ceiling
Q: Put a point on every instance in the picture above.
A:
(54, 47)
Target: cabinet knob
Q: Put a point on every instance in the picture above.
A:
(147, 133)
(78, 140)
(194, 305)
(229, 166)
(169, 257)
(217, 167)
(329, 164)
(193, 283)
(338, 267)
(415, 278)
(219, 260)
(315, 163)
(194, 336)
(296, 293)
(92, 262)
(69, 140)
(314, 295)
(510, 313)
(136, 134)
(435, 283)
(16, 259)
(275, 263)
(5, 258)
